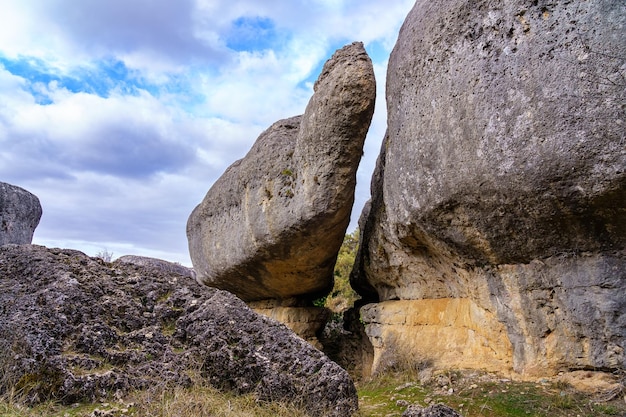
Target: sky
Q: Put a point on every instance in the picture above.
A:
(119, 115)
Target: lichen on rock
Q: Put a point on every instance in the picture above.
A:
(74, 328)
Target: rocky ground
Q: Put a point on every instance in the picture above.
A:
(77, 329)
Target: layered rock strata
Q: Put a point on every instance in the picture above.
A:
(20, 212)
(501, 187)
(305, 321)
(272, 225)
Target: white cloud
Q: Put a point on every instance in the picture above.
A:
(120, 115)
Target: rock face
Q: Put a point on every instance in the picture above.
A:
(74, 328)
(164, 266)
(20, 212)
(306, 321)
(501, 186)
(272, 225)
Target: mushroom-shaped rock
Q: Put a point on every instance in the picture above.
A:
(271, 226)
(20, 212)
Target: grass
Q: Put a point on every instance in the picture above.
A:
(481, 395)
(197, 401)
(472, 394)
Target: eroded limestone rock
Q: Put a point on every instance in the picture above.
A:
(74, 328)
(272, 225)
(20, 212)
(305, 321)
(165, 266)
(502, 179)
(445, 332)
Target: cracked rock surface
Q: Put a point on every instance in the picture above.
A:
(74, 328)
(501, 185)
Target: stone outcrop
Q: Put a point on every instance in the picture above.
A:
(456, 331)
(20, 212)
(164, 266)
(272, 225)
(305, 321)
(498, 211)
(74, 328)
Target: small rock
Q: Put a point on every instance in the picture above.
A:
(403, 386)
(436, 410)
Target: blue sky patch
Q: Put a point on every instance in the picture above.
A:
(100, 79)
(254, 34)
(315, 72)
(377, 51)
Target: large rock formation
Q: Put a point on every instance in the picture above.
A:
(498, 210)
(74, 328)
(272, 225)
(20, 212)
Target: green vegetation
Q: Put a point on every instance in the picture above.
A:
(287, 172)
(342, 296)
(473, 394)
(480, 395)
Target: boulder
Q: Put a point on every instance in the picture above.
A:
(436, 410)
(74, 328)
(502, 184)
(20, 212)
(164, 266)
(271, 226)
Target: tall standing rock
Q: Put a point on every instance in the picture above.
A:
(499, 204)
(20, 212)
(272, 225)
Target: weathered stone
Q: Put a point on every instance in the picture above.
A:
(75, 328)
(445, 332)
(305, 321)
(165, 266)
(272, 225)
(502, 179)
(20, 212)
(436, 410)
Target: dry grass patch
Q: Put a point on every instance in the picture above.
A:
(182, 402)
